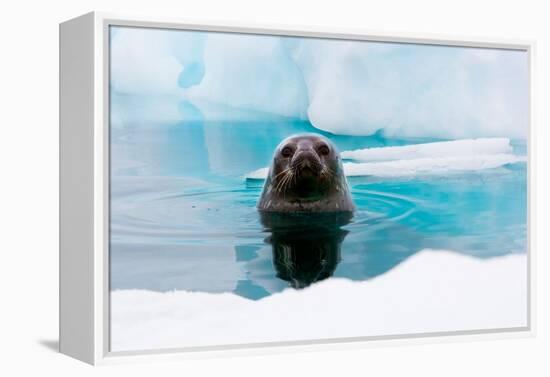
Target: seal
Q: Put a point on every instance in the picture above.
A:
(306, 176)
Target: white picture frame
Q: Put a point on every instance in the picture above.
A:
(84, 188)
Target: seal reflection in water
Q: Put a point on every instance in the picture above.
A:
(304, 203)
(306, 247)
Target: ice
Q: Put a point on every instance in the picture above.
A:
(258, 174)
(464, 147)
(470, 294)
(343, 87)
(440, 165)
(428, 158)
(400, 168)
(254, 73)
(155, 62)
(357, 88)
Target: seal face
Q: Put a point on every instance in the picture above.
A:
(306, 175)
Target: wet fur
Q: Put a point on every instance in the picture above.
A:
(308, 180)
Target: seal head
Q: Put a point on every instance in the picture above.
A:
(306, 175)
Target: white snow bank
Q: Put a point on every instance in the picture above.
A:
(433, 291)
(464, 147)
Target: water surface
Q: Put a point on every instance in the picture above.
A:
(183, 217)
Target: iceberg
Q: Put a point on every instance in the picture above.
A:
(154, 62)
(470, 294)
(342, 87)
(251, 72)
(358, 88)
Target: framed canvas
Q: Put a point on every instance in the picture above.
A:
(237, 188)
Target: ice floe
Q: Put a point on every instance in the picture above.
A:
(429, 158)
(463, 147)
(440, 165)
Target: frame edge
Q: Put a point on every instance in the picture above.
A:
(76, 191)
(101, 20)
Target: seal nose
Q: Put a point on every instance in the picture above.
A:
(306, 162)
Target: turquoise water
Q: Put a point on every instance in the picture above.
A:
(183, 217)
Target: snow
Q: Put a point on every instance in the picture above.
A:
(433, 291)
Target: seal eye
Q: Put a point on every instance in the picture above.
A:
(323, 150)
(286, 152)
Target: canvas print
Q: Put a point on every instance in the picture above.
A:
(279, 189)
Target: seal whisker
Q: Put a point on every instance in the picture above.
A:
(290, 180)
(305, 178)
(290, 176)
(282, 172)
(327, 173)
(281, 185)
(278, 185)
